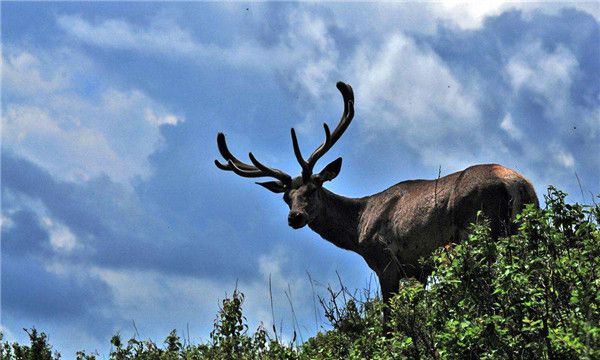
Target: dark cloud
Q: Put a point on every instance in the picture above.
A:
(34, 293)
(485, 52)
(29, 290)
(200, 231)
(24, 235)
(480, 59)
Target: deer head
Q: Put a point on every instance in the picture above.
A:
(302, 193)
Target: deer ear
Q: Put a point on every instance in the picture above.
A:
(274, 186)
(330, 171)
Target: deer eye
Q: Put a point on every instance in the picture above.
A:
(286, 197)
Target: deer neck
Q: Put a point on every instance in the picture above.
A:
(337, 221)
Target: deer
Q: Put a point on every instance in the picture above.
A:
(393, 229)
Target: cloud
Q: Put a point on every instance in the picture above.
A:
(99, 258)
(138, 293)
(304, 53)
(119, 34)
(164, 37)
(565, 159)
(61, 238)
(313, 52)
(548, 74)
(471, 16)
(466, 15)
(409, 90)
(361, 21)
(67, 296)
(509, 126)
(25, 234)
(21, 71)
(47, 116)
(36, 291)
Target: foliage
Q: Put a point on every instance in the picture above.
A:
(534, 295)
(39, 348)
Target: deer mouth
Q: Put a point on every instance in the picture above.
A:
(297, 226)
(297, 220)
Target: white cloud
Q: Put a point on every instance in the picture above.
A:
(424, 17)
(368, 21)
(409, 90)
(120, 34)
(138, 293)
(270, 265)
(413, 80)
(591, 120)
(21, 71)
(5, 217)
(509, 126)
(74, 134)
(314, 56)
(155, 119)
(62, 239)
(466, 15)
(168, 38)
(547, 73)
(32, 131)
(565, 159)
(471, 14)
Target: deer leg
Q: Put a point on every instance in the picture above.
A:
(423, 274)
(389, 282)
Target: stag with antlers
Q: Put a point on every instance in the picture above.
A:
(392, 229)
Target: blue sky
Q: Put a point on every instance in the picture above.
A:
(113, 211)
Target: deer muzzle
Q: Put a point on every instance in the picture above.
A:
(297, 219)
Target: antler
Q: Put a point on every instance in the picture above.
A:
(247, 170)
(330, 138)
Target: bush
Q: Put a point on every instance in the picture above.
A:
(39, 349)
(533, 295)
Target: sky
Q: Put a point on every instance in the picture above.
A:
(114, 217)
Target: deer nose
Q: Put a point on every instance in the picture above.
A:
(297, 219)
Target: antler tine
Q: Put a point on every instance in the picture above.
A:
(243, 169)
(245, 173)
(332, 137)
(278, 174)
(222, 166)
(227, 155)
(305, 168)
(325, 144)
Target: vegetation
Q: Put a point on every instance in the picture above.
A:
(534, 295)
